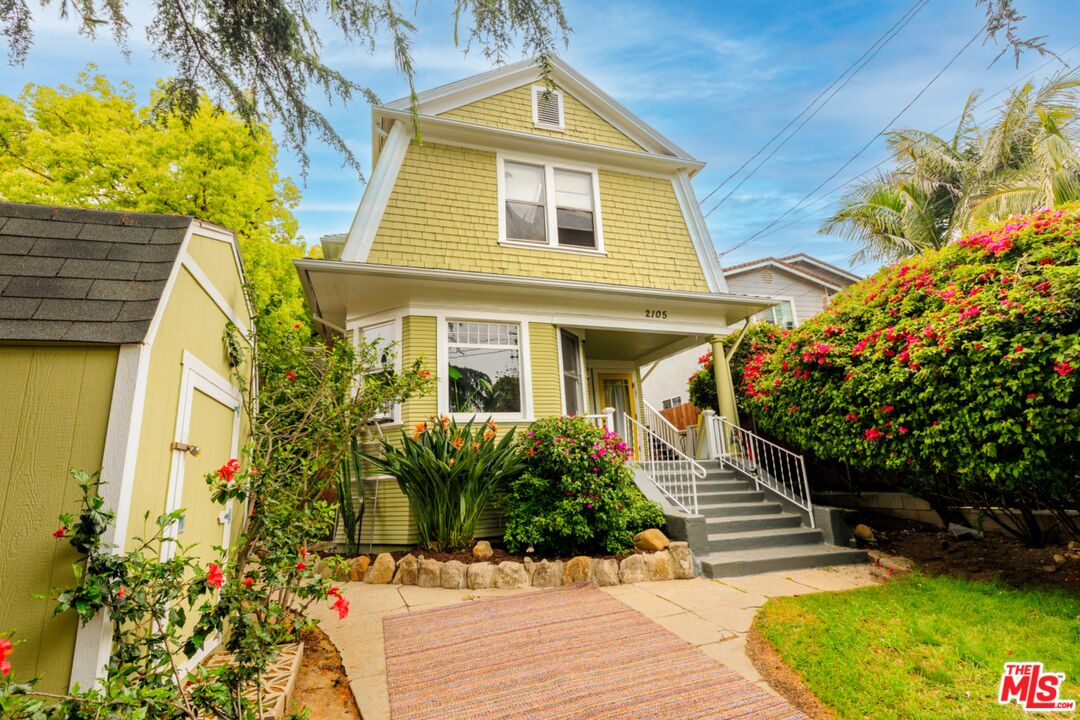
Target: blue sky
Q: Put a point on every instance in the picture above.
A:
(718, 78)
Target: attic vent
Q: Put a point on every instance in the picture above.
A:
(547, 107)
(767, 277)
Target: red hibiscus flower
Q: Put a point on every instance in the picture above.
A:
(290, 375)
(5, 650)
(121, 593)
(214, 577)
(59, 532)
(248, 582)
(1063, 368)
(342, 607)
(872, 434)
(226, 471)
(301, 565)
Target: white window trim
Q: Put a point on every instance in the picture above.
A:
(537, 90)
(583, 378)
(549, 167)
(790, 299)
(443, 360)
(357, 332)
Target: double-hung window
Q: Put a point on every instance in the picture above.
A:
(384, 340)
(483, 367)
(573, 384)
(549, 205)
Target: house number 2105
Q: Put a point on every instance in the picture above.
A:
(658, 314)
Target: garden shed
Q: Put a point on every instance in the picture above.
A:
(112, 358)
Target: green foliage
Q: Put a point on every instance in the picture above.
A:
(701, 387)
(955, 367)
(1027, 158)
(922, 648)
(351, 483)
(266, 59)
(450, 473)
(95, 146)
(577, 494)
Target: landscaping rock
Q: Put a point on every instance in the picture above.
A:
(1059, 559)
(407, 569)
(960, 532)
(1050, 568)
(682, 561)
(482, 550)
(605, 571)
(651, 539)
(632, 569)
(864, 533)
(453, 575)
(530, 567)
(381, 571)
(1074, 546)
(430, 574)
(547, 573)
(358, 566)
(658, 566)
(509, 575)
(323, 569)
(578, 569)
(480, 576)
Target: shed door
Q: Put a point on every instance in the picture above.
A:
(209, 419)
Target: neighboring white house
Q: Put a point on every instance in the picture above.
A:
(803, 285)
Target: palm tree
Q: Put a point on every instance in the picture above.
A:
(940, 187)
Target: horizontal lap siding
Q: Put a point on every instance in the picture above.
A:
(443, 213)
(513, 110)
(56, 403)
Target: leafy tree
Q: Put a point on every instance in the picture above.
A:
(957, 368)
(95, 146)
(1027, 158)
(263, 60)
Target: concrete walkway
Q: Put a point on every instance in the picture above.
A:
(714, 615)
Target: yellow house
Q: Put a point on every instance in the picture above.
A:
(537, 247)
(111, 353)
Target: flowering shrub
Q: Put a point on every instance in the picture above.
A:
(957, 367)
(577, 494)
(450, 473)
(701, 387)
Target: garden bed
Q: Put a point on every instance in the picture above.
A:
(992, 557)
(498, 555)
(322, 687)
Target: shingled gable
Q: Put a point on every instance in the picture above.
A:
(87, 276)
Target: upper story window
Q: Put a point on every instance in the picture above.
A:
(547, 108)
(782, 314)
(549, 205)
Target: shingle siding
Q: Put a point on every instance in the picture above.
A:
(443, 213)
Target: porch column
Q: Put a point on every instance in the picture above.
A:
(725, 389)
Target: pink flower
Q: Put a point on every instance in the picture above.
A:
(214, 577)
(903, 430)
(5, 650)
(886, 408)
(589, 506)
(872, 434)
(1063, 368)
(121, 593)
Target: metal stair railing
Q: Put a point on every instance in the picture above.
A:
(771, 466)
(673, 472)
(663, 427)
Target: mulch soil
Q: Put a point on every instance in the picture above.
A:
(992, 557)
(321, 684)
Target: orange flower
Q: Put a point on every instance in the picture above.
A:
(530, 452)
(475, 445)
(488, 434)
(457, 442)
(421, 428)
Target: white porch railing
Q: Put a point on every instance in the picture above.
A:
(673, 472)
(660, 425)
(605, 419)
(771, 466)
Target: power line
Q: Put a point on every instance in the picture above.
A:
(886, 37)
(810, 117)
(864, 148)
(825, 199)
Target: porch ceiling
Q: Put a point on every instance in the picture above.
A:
(339, 292)
(638, 346)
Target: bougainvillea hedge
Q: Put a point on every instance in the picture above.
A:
(958, 366)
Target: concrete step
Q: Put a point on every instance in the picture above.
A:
(713, 497)
(725, 509)
(711, 486)
(772, 559)
(753, 539)
(747, 523)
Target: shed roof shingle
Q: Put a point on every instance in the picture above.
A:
(83, 275)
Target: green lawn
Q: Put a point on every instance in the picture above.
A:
(924, 647)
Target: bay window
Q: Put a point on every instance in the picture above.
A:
(549, 205)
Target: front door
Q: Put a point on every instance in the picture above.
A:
(617, 391)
